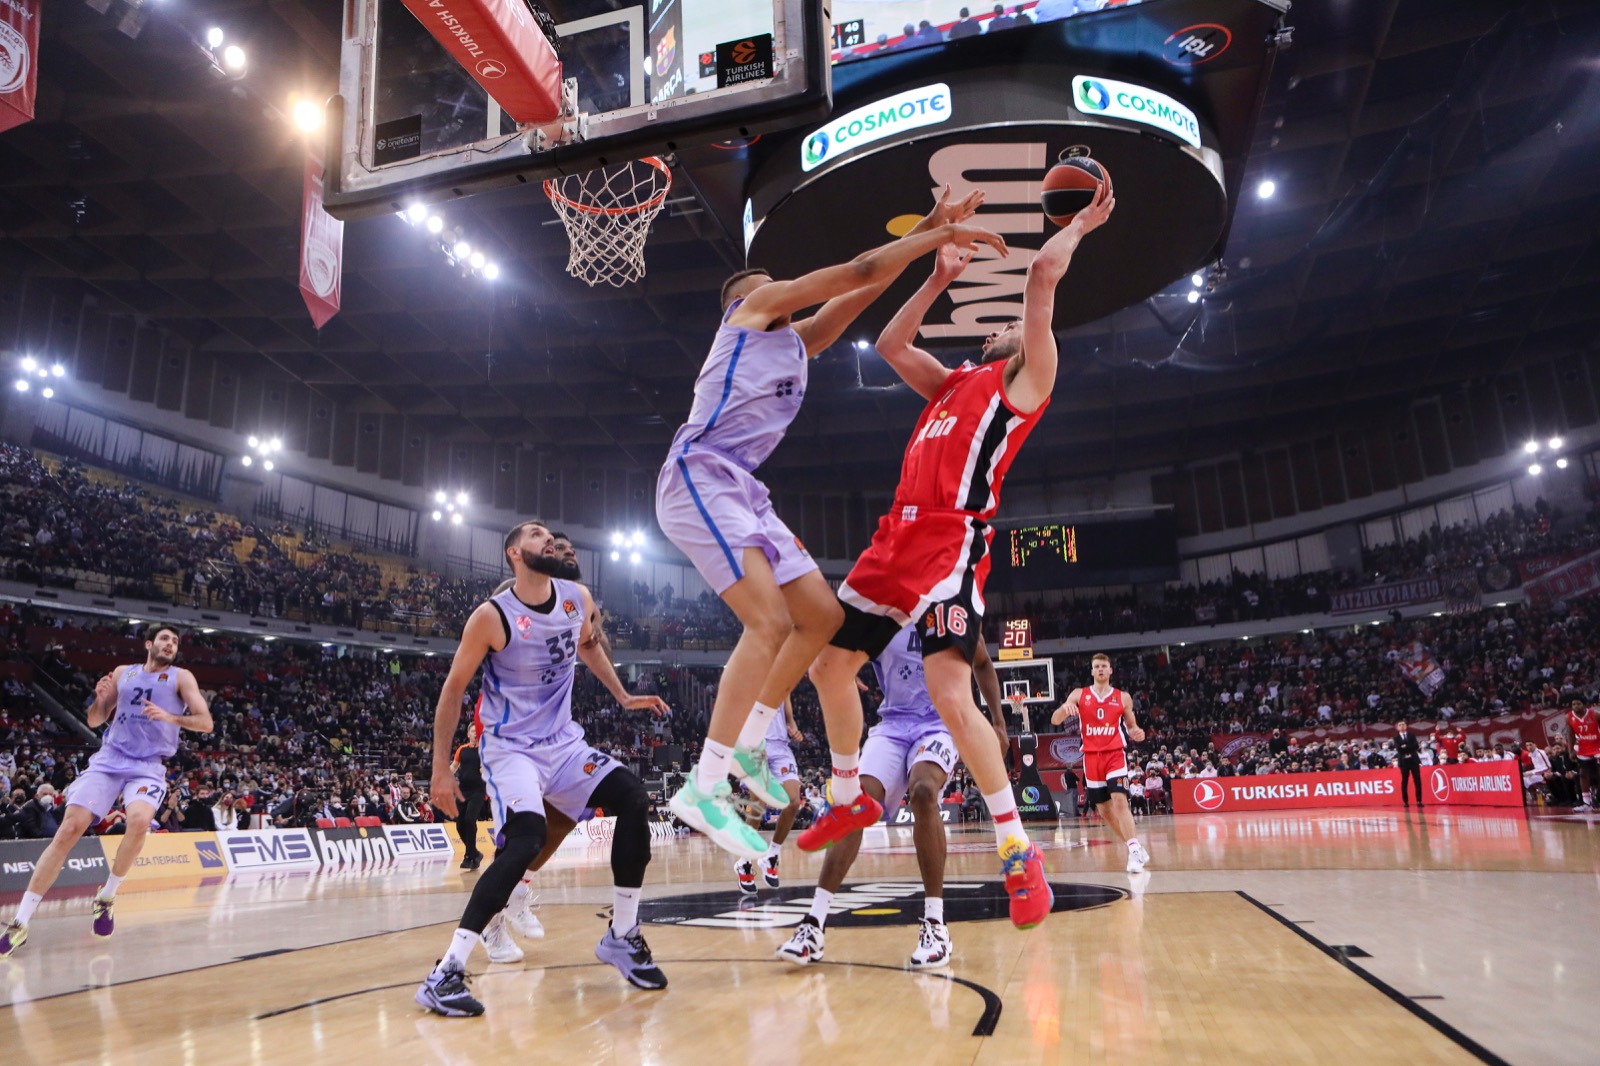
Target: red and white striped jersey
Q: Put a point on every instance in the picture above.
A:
(964, 443)
(1101, 720)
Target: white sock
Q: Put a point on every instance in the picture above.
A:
(819, 906)
(461, 945)
(712, 769)
(846, 778)
(30, 902)
(1133, 842)
(110, 889)
(519, 895)
(624, 909)
(755, 727)
(933, 908)
(1003, 809)
(773, 849)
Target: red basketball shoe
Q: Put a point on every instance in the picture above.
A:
(836, 823)
(1031, 897)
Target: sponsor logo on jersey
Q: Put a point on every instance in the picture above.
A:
(524, 626)
(570, 607)
(877, 903)
(589, 767)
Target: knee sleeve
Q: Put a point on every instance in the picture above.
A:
(623, 794)
(524, 835)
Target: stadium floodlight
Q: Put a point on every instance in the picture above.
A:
(1561, 464)
(1535, 469)
(1556, 443)
(1531, 448)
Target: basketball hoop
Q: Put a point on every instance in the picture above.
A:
(607, 214)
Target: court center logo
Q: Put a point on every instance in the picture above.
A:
(1208, 795)
(878, 903)
(1092, 96)
(1439, 784)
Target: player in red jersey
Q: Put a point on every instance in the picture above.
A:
(929, 558)
(1106, 717)
(1585, 748)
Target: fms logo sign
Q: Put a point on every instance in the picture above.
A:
(884, 118)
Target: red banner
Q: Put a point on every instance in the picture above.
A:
(1479, 784)
(19, 61)
(504, 50)
(1540, 726)
(1580, 577)
(321, 249)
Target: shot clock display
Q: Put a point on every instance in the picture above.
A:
(1055, 555)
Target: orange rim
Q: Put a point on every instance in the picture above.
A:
(557, 196)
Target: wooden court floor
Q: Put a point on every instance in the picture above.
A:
(1316, 936)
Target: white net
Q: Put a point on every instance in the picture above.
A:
(607, 214)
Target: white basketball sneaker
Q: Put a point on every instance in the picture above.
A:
(1136, 859)
(525, 922)
(933, 946)
(805, 946)
(498, 941)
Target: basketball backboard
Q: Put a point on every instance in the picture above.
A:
(411, 124)
(1036, 676)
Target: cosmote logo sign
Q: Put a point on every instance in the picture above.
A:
(891, 115)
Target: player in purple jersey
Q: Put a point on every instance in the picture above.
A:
(528, 638)
(785, 769)
(710, 504)
(147, 706)
(909, 752)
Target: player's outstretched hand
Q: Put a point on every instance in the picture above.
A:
(965, 236)
(795, 735)
(156, 714)
(653, 704)
(1094, 216)
(950, 262)
(945, 213)
(1136, 734)
(105, 690)
(1061, 714)
(446, 794)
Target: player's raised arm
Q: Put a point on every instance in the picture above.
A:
(918, 368)
(482, 634)
(827, 325)
(1035, 376)
(881, 265)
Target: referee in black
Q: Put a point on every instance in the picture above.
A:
(469, 775)
(1409, 758)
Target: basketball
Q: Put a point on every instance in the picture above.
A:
(1069, 187)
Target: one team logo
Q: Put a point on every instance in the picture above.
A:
(1092, 96)
(1439, 784)
(666, 52)
(1208, 795)
(524, 626)
(15, 58)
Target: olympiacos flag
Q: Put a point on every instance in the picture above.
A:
(321, 248)
(19, 60)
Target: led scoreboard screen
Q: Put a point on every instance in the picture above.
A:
(1067, 555)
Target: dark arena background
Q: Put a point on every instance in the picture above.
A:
(304, 304)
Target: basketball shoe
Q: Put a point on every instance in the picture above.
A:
(1137, 857)
(750, 766)
(498, 941)
(445, 992)
(631, 955)
(933, 946)
(805, 946)
(714, 816)
(769, 870)
(11, 938)
(1031, 897)
(524, 921)
(104, 924)
(745, 871)
(836, 823)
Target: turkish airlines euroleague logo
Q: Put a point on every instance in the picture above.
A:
(1208, 795)
(1439, 785)
(744, 52)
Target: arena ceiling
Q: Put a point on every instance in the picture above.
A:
(1431, 239)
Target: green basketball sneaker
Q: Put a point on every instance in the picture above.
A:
(714, 816)
(750, 766)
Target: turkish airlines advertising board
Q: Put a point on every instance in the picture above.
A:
(1478, 784)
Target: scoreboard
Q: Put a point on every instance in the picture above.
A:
(1055, 555)
(1016, 640)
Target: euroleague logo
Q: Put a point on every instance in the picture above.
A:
(1208, 795)
(744, 52)
(1439, 785)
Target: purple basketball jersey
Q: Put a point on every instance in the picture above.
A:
(131, 738)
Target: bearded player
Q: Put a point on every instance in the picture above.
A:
(147, 707)
(1106, 717)
(528, 638)
(930, 556)
(1585, 748)
(710, 504)
(908, 753)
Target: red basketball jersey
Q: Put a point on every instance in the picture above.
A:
(1101, 720)
(964, 443)
(1450, 746)
(1585, 734)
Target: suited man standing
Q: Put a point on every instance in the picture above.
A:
(1408, 756)
(469, 775)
